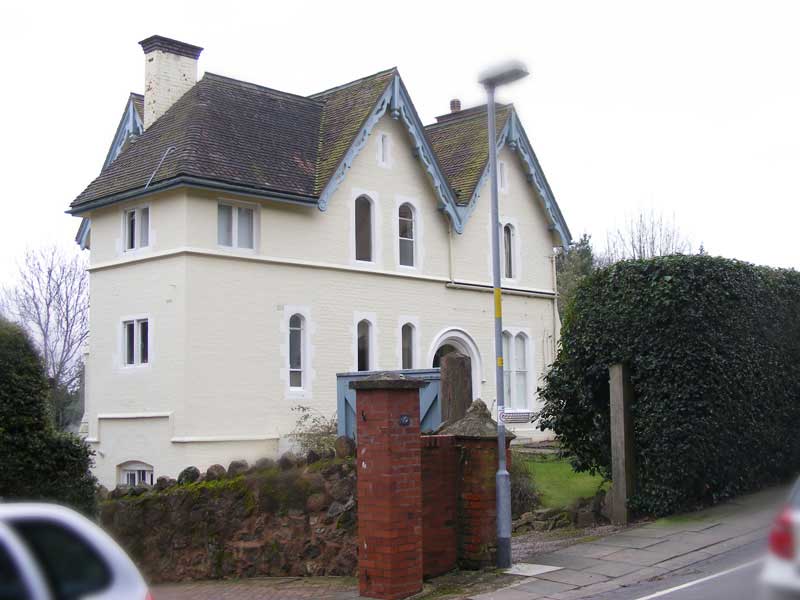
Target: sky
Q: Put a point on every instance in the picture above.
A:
(688, 109)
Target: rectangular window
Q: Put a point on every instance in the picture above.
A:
(130, 478)
(137, 228)
(502, 176)
(235, 226)
(384, 149)
(136, 342)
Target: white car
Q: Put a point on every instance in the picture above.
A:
(781, 574)
(48, 552)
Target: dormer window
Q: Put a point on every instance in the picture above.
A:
(236, 226)
(137, 228)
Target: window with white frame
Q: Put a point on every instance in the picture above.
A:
(135, 473)
(405, 221)
(509, 241)
(363, 228)
(136, 340)
(364, 343)
(515, 371)
(296, 343)
(383, 149)
(407, 346)
(137, 228)
(235, 226)
(502, 176)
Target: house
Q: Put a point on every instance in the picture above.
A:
(247, 244)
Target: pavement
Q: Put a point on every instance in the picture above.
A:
(634, 563)
(649, 556)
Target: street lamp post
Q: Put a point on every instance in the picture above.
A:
(491, 80)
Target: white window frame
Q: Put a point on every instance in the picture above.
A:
(136, 469)
(236, 206)
(415, 345)
(136, 320)
(137, 212)
(307, 357)
(516, 251)
(373, 198)
(502, 176)
(510, 364)
(418, 231)
(302, 369)
(384, 150)
(413, 239)
(373, 338)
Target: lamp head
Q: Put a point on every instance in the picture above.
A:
(502, 74)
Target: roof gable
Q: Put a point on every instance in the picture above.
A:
(130, 125)
(462, 145)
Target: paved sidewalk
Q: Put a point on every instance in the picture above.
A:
(645, 552)
(266, 588)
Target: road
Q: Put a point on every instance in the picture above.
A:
(729, 576)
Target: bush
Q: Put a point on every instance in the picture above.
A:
(314, 431)
(38, 462)
(523, 491)
(713, 346)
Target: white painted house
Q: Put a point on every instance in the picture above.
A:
(248, 244)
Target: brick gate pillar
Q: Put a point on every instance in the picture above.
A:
(389, 488)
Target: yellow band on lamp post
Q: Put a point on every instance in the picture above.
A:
(498, 303)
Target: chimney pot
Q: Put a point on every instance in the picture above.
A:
(455, 105)
(170, 70)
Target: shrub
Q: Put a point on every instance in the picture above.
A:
(314, 431)
(713, 346)
(523, 490)
(38, 462)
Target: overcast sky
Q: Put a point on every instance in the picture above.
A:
(688, 108)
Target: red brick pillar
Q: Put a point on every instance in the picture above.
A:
(477, 501)
(389, 486)
(439, 504)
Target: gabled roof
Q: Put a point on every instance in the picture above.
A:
(462, 146)
(236, 136)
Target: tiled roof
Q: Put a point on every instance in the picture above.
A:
(344, 111)
(238, 133)
(461, 145)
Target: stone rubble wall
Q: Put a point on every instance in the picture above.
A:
(290, 518)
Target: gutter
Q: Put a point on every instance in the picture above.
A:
(197, 183)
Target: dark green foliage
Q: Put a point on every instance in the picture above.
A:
(523, 491)
(572, 267)
(38, 463)
(714, 350)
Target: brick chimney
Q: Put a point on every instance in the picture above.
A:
(170, 70)
(455, 105)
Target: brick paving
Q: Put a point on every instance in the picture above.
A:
(267, 588)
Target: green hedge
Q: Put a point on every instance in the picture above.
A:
(714, 350)
(36, 461)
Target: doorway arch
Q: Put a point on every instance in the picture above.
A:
(455, 338)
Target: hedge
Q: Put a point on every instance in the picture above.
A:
(38, 462)
(713, 346)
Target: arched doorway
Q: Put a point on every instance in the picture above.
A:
(455, 339)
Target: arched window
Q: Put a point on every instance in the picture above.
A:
(441, 352)
(508, 251)
(133, 473)
(515, 371)
(407, 341)
(296, 351)
(364, 343)
(405, 220)
(363, 228)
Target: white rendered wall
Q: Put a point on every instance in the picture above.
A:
(216, 388)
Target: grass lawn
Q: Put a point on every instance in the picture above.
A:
(557, 483)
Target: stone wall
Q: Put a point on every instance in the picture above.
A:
(284, 519)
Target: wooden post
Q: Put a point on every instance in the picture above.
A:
(455, 390)
(622, 455)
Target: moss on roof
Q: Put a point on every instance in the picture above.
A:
(462, 147)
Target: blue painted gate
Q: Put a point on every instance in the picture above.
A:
(430, 409)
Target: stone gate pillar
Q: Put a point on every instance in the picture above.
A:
(388, 459)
